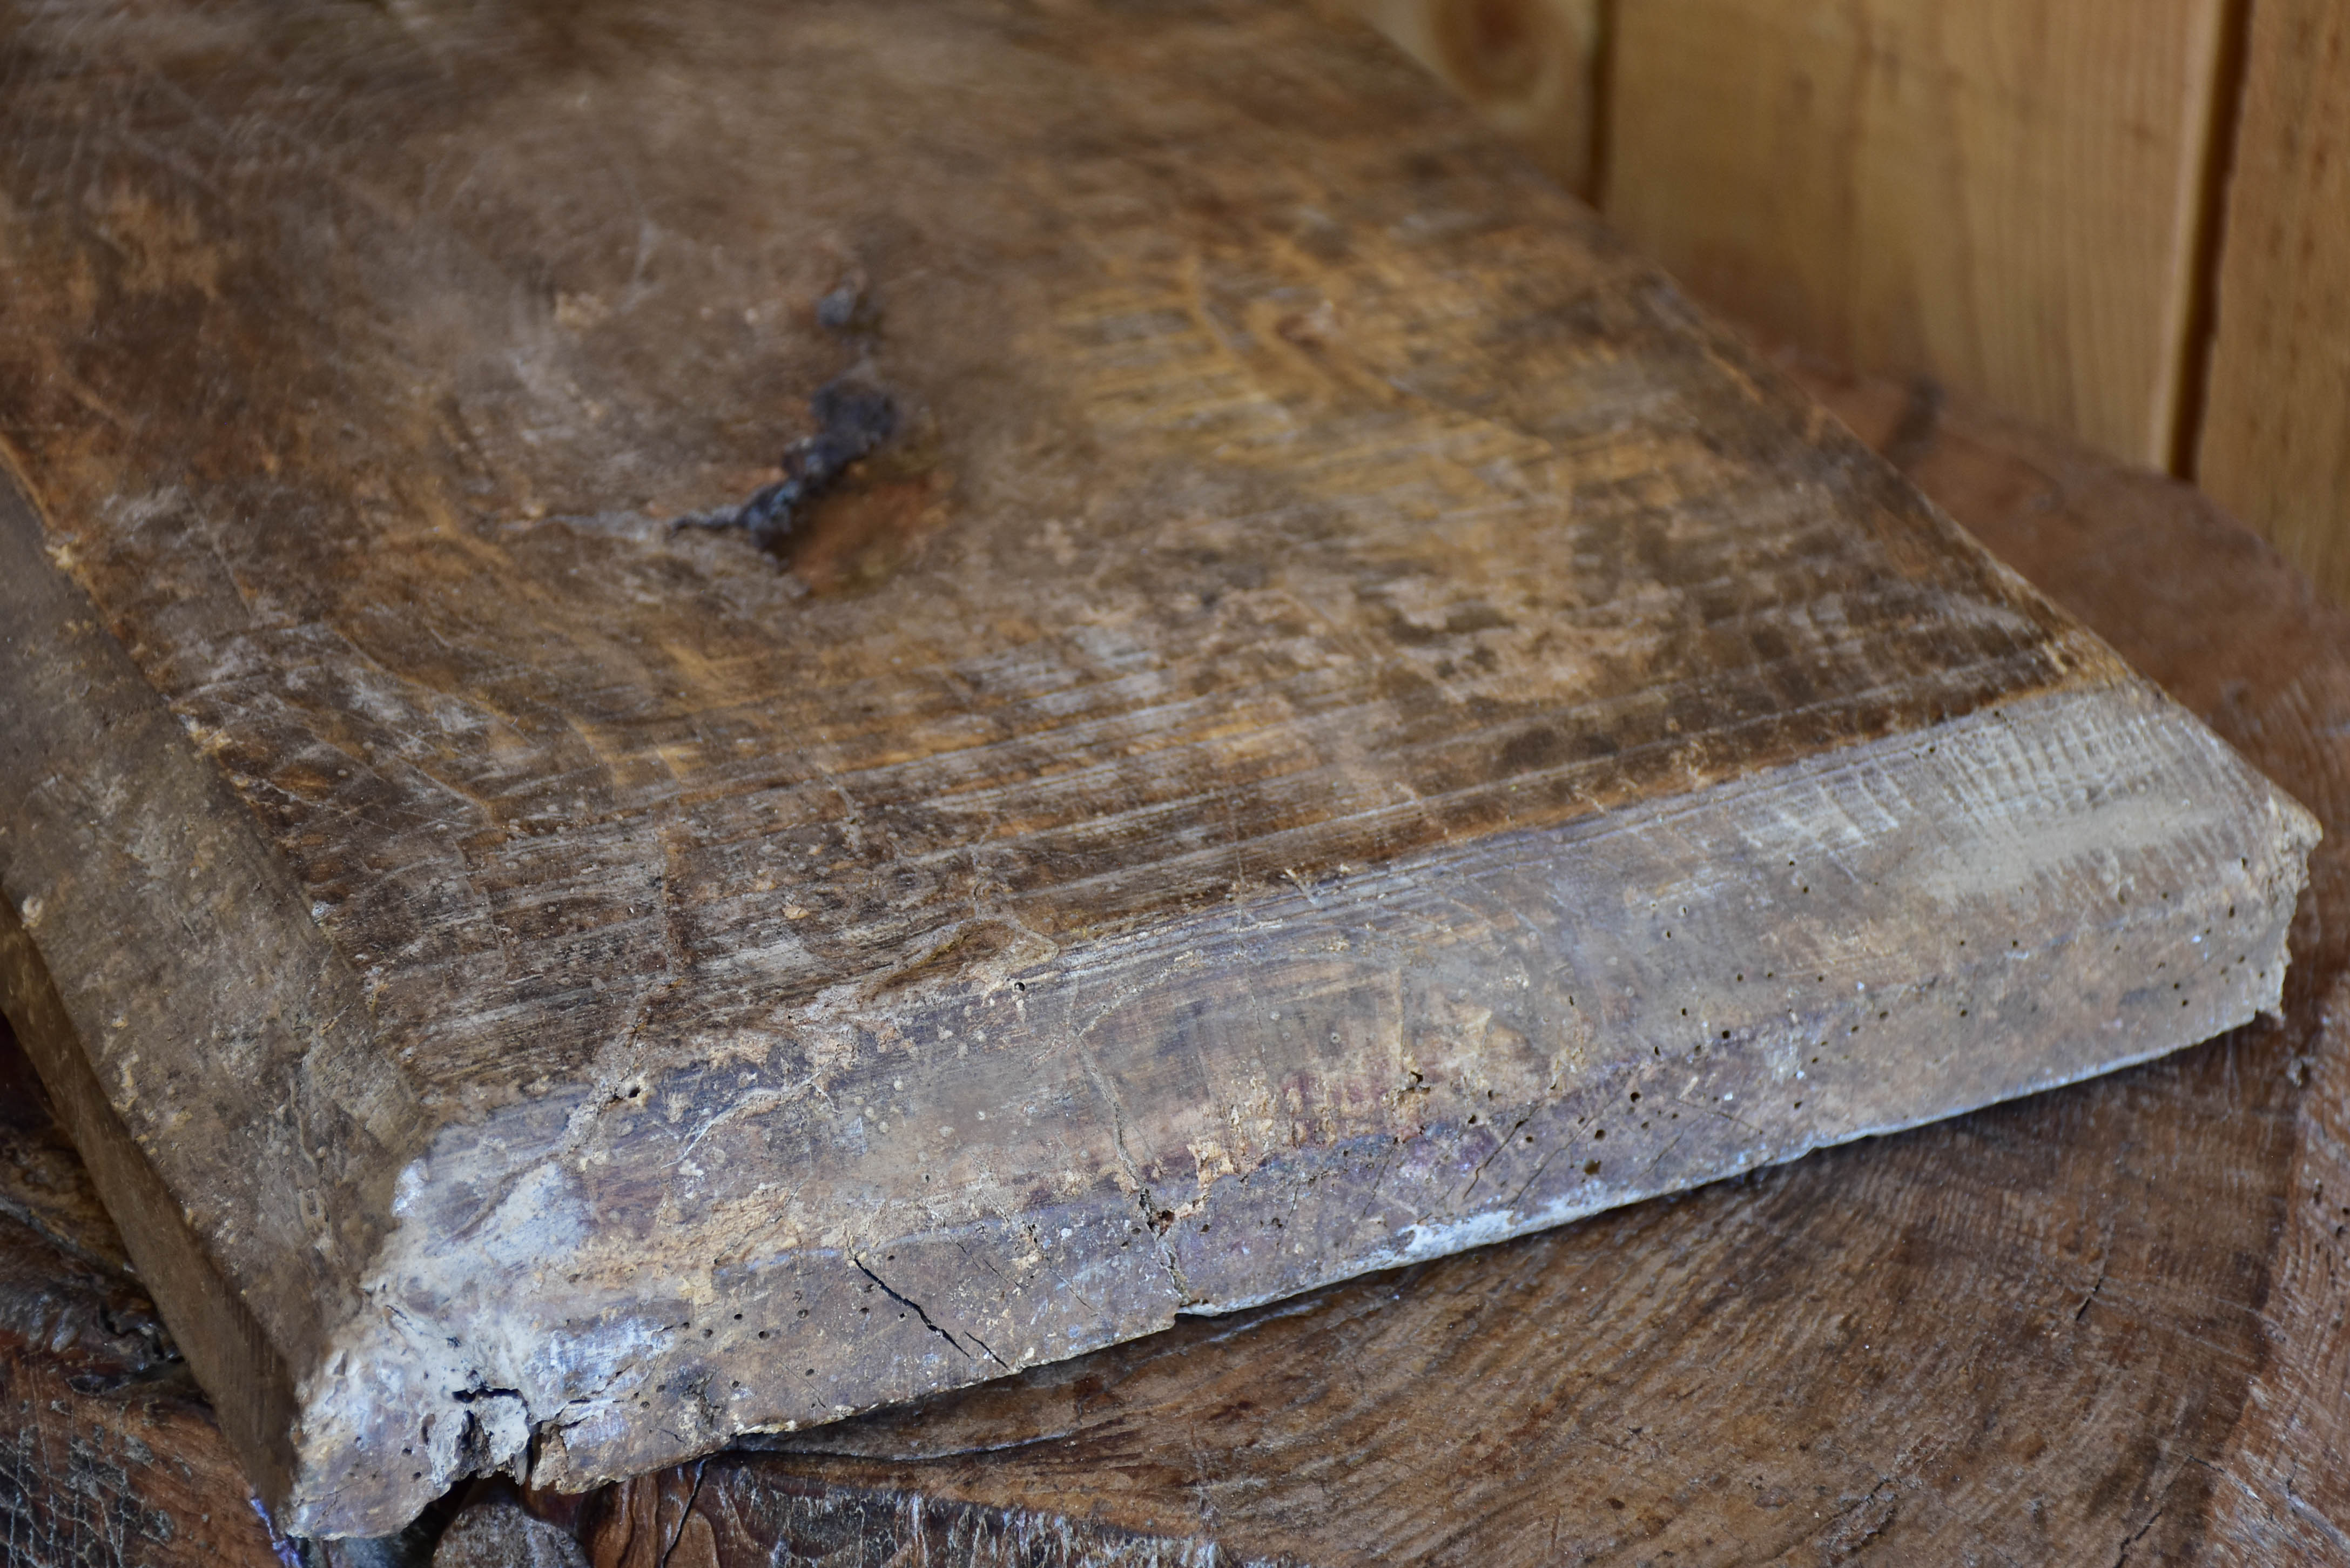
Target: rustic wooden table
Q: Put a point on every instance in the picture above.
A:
(2104, 1325)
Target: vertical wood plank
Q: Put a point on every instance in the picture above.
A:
(2002, 195)
(2275, 446)
(1527, 66)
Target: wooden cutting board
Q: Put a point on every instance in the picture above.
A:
(1332, 718)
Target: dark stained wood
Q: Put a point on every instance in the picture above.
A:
(109, 1453)
(740, 1509)
(2104, 1325)
(496, 1530)
(43, 1186)
(2139, 1360)
(1343, 723)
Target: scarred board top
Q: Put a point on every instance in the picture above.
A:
(1298, 677)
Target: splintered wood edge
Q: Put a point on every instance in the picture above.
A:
(1524, 1031)
(1791, 961)
(249, 1171)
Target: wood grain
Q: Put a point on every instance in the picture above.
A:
(2275, 445)
(109, 1453)
(2003, 195)
(2248, 643)
(742, 1509)
(1344, 723)
(2139, 1360)
(2104, 1325)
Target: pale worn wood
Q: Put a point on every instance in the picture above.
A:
(742, 1509)
(1343, 722)
(2002, 194)
(2201, 1286)
(2275, 444)
(2202, 604)
(1531, 69)
(2105, 1326)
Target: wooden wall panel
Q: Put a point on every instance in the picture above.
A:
(1529, 67)
(2275, 444)
(2016, 197)
(2003, 193)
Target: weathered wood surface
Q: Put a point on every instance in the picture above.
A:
(2107, 1325)
(2104, 1325)
(2126, 219)
(109, 1453)
(1344, 723)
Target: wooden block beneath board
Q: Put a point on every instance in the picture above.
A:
(1332, 718)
